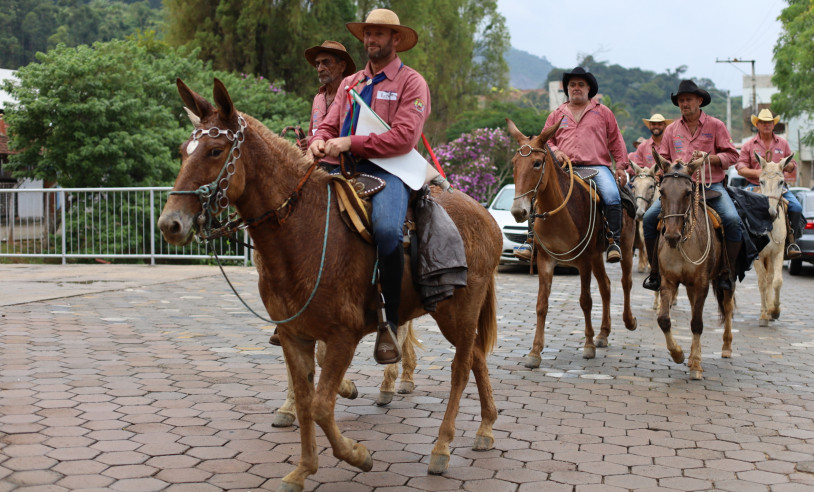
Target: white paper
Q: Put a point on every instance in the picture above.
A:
(411, 168)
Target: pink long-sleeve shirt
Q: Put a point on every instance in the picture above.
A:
(402, 100)
(711, 136)
(776, 151)
(591, 141)
(319, 109)
(643, 155)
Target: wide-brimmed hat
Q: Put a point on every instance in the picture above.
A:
(656, 118)
(689, 87)
(334, 48)
(638, 141)
(764, 115)
(385, 18)
(581, 73)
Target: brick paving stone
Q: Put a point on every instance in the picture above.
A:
(73, 482)
(138, 485)
(183, 475)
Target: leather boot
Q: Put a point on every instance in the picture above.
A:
(652, 281)
(613, 215)
(792, 250)
(727, 279)
(391, 269)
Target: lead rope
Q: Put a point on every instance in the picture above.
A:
(319, 275)
(703, 193)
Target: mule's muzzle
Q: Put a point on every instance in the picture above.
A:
(176, 227)
(521, 209)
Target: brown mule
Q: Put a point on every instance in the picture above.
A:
(567, 232)
(288, 230)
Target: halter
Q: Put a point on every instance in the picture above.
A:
(691, 212)
(647, 201)
(778, 206)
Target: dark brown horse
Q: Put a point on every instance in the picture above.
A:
(568, 231)
(689, 253)
(236, 160)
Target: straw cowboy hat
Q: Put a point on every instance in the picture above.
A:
(385, 18)
(764, 115)
(333, 48)
(580, 72)
(656, 118)
(638, 142)
(689, 87)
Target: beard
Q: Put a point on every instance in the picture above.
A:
(656, 131)
(383, 52)
(326, 78)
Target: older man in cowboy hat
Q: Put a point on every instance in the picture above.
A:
(643, 156)
(589, 135)
(697, 131)
(401, 98)
(333, 63)
(773, 148)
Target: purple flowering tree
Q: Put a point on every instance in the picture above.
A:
(477, 162)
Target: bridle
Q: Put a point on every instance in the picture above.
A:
(689, 215)
(525, 150)
(778, 204)
(647, 201)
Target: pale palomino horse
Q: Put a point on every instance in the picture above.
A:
(689, 253)
(769, 264)
(316, 273)
(287, 413)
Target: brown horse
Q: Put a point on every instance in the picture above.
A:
(689, 253)
(568, 231)
(318, 276)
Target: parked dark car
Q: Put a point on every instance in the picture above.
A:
(806, 243)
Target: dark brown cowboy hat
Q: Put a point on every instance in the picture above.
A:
(334, 48)
(385, 18)
(581, 73)
(689, 87)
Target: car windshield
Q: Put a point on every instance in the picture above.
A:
(807, 200)
(504, 199)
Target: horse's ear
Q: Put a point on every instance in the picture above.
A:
(787, 159)
(660, 161)
(222, 99)
(199, 106)
(548, 132)
(760, 160)
(194, 118)
(514, 132)
(635, 167)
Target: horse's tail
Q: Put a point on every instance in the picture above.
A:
(720, 296)
(487, 320)
(411, 338)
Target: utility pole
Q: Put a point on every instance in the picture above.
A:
(754, 85)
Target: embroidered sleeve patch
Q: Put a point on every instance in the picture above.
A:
(419, 105)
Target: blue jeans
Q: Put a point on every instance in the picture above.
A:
(606, 185)
(794, 205)
(389, 209)
(723, 205)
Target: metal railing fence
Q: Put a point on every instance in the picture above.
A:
(96, 223)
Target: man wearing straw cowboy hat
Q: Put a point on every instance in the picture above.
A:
(773, 148)
(400, 97)
(697, 131)
(643, 156)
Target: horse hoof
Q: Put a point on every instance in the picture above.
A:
(284, 420)
(483, 443)
(633, 325)
(367, 463)
(406, 387)
(588, 353)
(695, 375)
(763, 323)
(726, 354)
(533, 361)
(601, 342)
(775, 315)
(385, 397)
(678, 357)
(354, 393)
(289, 487)
(438, 464)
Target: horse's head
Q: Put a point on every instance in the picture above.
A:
(529, 163)
(772, 181)
(677, 195)
(644, 188)
(209, 179)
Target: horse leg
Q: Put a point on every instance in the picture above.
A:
(347, 389)
(586, 303)
(764, 283)
(777, 284)
(391, 371)
(545, 273)
(484, 439)
(338, 356)
(644, 265)
(299, 356)
(727, 311)
(287, 413)
(697, 299)
(666, 293)
(627, 273)
(408, 360)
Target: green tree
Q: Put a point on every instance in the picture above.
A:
(110, 115)
(794, 62)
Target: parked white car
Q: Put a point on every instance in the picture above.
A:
(514, 234)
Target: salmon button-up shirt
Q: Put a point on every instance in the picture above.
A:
(711, 136)
(775, 152)
(589, 141)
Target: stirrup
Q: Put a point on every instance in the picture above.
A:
(387, 350)
(652, 281)
(523, 252)
(793, 251)
(613, 254)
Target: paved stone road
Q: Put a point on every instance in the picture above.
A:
(136, 378)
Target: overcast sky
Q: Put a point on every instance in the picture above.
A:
(650, 34)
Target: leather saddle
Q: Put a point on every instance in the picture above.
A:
(587, 174)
